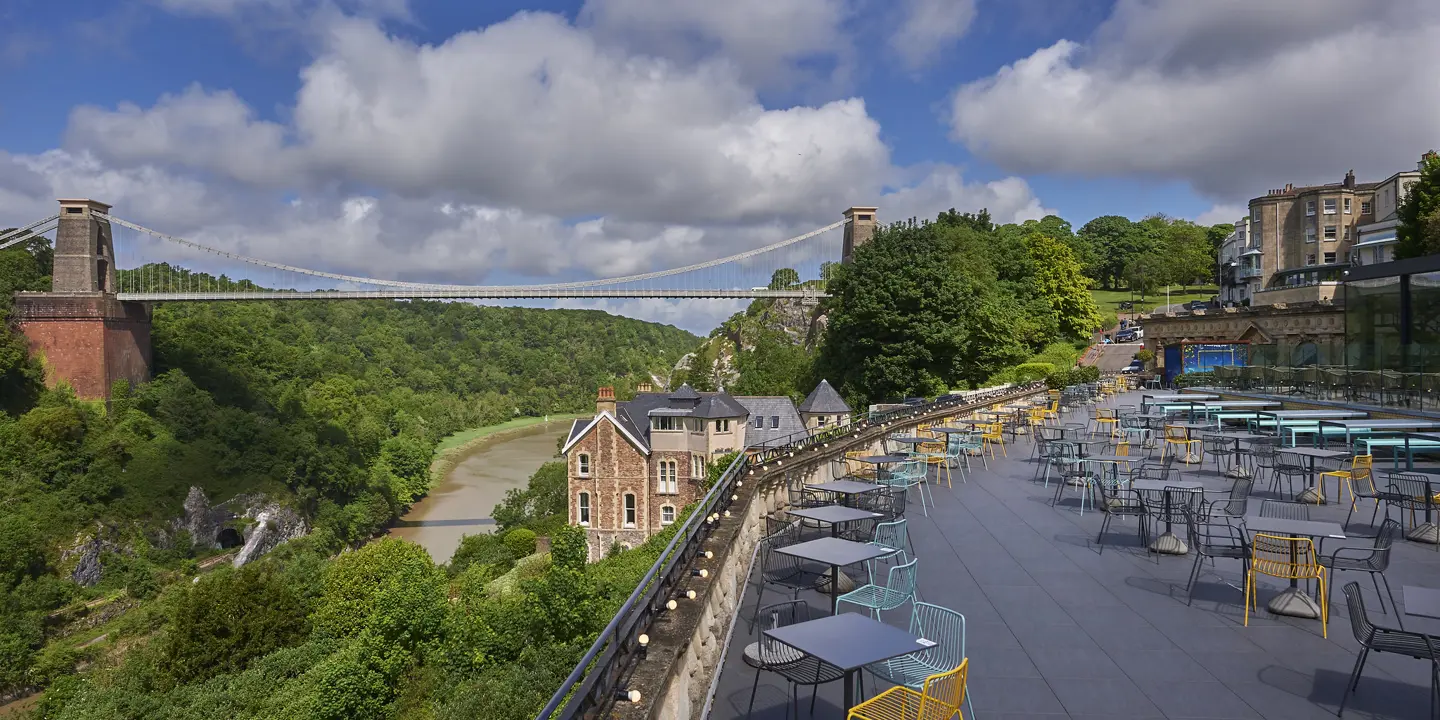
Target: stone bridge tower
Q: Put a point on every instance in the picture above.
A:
(86, 336)
(858, 231)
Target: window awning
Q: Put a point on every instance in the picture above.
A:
(1252, 251)
(1382, 240)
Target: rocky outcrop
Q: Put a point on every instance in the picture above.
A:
(203, 521)
(86, 553)
(273, 524)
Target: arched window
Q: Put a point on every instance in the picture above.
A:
(582, 465)
(584, 508)
(629, 510)
(667, 514)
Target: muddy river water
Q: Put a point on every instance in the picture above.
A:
(461, 505)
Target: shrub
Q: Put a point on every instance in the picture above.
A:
(1145, 355)
(1194, 378)
(360, 584)
(481, 549)
(520, 541)
(568, 547)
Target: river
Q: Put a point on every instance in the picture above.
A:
(461, 505)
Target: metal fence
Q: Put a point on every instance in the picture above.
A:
(597, 677)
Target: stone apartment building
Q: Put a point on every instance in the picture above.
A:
(1304, 237)
(635, 464)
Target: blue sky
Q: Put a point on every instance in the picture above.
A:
(507, 140)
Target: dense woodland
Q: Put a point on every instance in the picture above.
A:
(337, 407)
(332, 407)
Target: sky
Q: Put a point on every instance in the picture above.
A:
(503, 141)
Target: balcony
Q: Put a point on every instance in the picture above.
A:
(1323, 291)
(1247, 273)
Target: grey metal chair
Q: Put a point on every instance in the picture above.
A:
(1235, 505)
(774, 656)
(1116, 501)
(1215, 536)
(1382, 639)
(779, 569)
(1284, 510)
(1288, 468)
(1374, 560)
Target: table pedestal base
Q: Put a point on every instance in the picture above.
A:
(1427, 533)
(1190, 459)
(1310, 495)
(823, 583)
(1294, 603)
(1169, 544)
(1239, 473)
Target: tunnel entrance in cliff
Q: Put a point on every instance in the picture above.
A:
(230, 538)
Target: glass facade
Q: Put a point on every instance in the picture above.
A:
(1372, 324)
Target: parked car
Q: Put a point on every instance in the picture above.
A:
(1197, 305)
(1135, 366)
(1129, 335)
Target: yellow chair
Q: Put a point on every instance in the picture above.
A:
(1286, 558)
(1345, 478)
(992, 435)
(1105, 417)
(1053, 412)
(934, 454)
(1176, 435)
(940, 699)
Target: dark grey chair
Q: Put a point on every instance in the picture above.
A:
(1284, 510)
(796, 667)
(1289, 467)
(779, 569)
(1374, 560)
(1381, 639)
(1120, 502)
(1212, 536)
(1235, 504)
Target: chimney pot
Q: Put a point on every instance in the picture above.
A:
(605, 401)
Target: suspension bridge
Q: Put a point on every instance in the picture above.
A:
(136, 263)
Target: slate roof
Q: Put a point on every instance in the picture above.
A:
(768, 408)
(577, 428)
(824, 399)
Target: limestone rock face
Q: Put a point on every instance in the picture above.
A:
(88, 570)
(273, 524)
(203, 521)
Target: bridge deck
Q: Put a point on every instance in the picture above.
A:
(1056, 630)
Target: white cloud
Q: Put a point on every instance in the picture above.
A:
(1222, 213)
(766, 40)
(1233, 97)
(929, 27)
(285, 9)
(942, 188)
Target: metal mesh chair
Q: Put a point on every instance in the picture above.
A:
(1235, 505)
(899, 588)
(1218, 536)
(774, 656)
(1117, 501)
(1288, 468)
(1284, 510)
(1287, 558)
(1373, 560)
(1382, 639)
(939, 624)
(779, 569)
(1407, 492)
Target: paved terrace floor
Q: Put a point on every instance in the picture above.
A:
(1057, 630)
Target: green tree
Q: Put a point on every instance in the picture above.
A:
(1418, 232)
(1116, 242)
(784, 278)
(772, 366)
(1060, 279)
(359, 584)
(540, 504)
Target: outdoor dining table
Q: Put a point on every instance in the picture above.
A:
(834, 515)
(1168, 543)
(846, 488)
(849, 641)
(912, 440)
(1190, 428)
(1421, 602)
(836, 553)
(1311, 493)
(1292, 601)
(1238, 471)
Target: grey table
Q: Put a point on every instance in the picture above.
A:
(1292, 602)
(849, 641)
(1237, 470)
(845, 488)
(1311, 493)
(1168, 543)
(834, 515)
(1421, 602)
(836, 553)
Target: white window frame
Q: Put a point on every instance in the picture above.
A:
(630, 510)
(759, 422)
(1309, 234)
(1309, 259)
(1309, 207)
(666, 477)
(1365, 207)
(1329, 258)
(664, 510)
(774, 422)
(582, 464)
(1255, 214)
(697, 466)
(1347, 206)
(1347, 233)
(582, 509)
(722, 425)
(665, 423)
(820, 420)
(1328, 204)
(1330, 233)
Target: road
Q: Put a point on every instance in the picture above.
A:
(1116, 356)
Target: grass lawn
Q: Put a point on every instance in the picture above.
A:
(1109, 300)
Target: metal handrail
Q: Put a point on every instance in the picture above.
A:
(598, 664)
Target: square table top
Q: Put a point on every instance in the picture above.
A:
(849, 641)
(1297, 528)
(834, 514)
(881, 459)
(1424, 602)
(913, 439)
(834, 551)
(1113, 458)
(1319, 453)
(845, 487)
(949, 430)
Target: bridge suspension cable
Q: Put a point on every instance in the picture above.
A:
(22, 234)
(452, 289)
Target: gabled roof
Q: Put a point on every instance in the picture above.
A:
(824, 399)
(685, 392)
(635, 439)
(768, 408)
